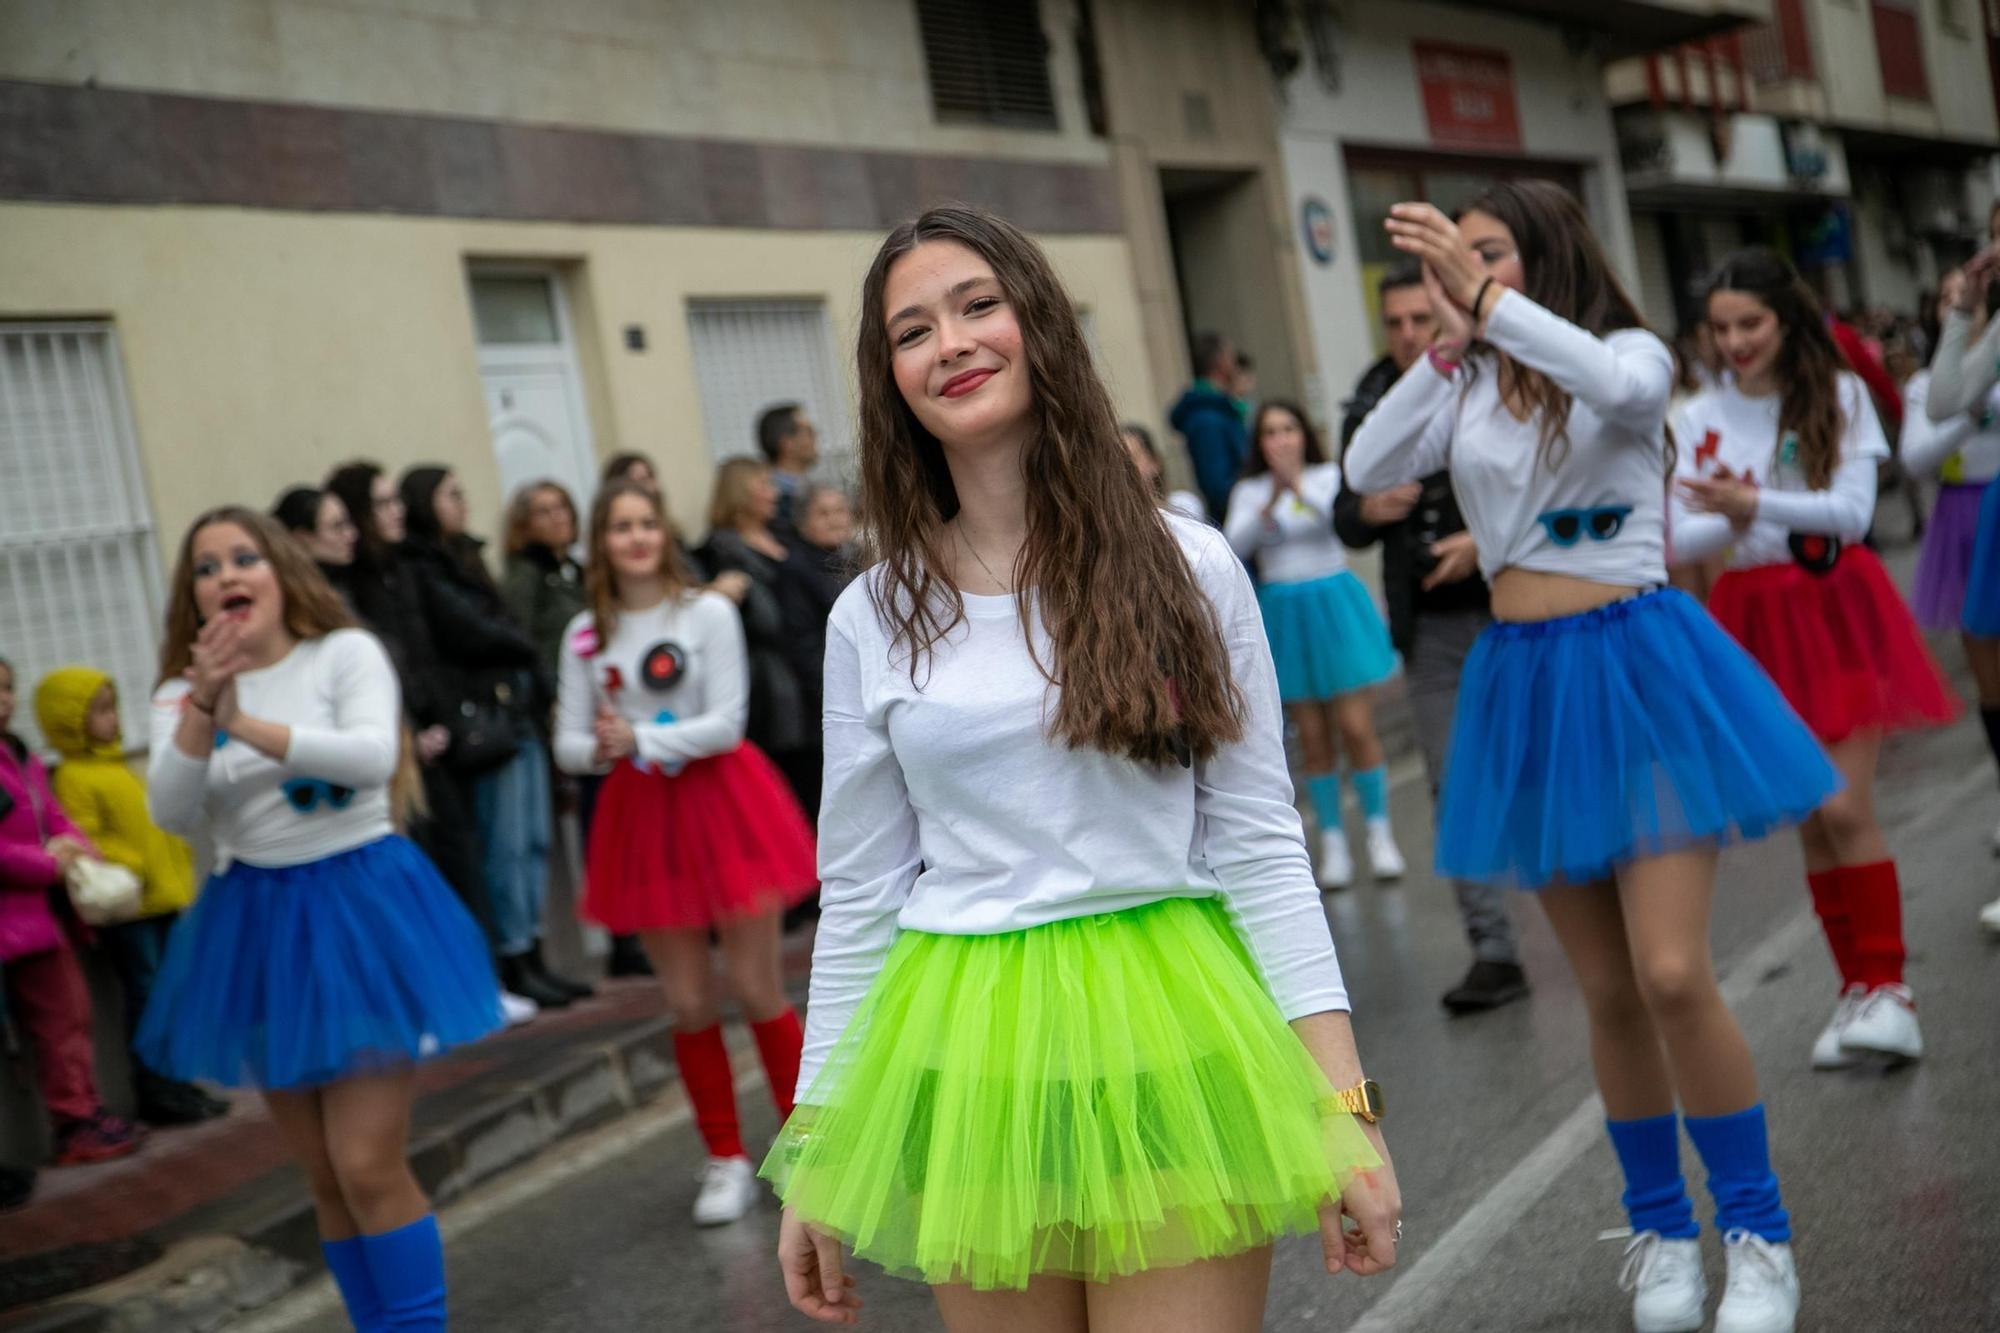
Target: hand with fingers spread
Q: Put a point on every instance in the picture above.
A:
(1424, 232)
(1374, 1202)
(1725, 493)
(814, 1279)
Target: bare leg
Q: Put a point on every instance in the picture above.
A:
(680, 960)
(1632, 1074)
(1213, 1296)
(1844, 831)
(1315, 737)
(1354, 718)
(1666, 901)
(751, 953)
(367, 1121)
(298, 1117)
(1048, 1305)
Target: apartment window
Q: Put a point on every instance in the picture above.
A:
(988, 62)
(749, 355)
(1899, 48)
(79, 571)
(1781, 49)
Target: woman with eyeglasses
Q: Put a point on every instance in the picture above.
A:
(1610, 736)
(1778, 471)
(1327, 639)
(325, 957)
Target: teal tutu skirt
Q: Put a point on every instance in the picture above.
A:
(1326, 636)
(296, 976)
(1085, 1099)
(1640, 728)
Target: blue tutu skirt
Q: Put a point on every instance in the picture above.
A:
(1982, 582)
(1326, 637)
(1589, 741)
(303, 975)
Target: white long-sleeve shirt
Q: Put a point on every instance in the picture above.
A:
(329, 794)
(1965, 368)
(1599, 514)
(949, 809)
(1964, 448)
(1724, 426)
(698, 711)
(1295, 542)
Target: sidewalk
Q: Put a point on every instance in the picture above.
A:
(216, 1218)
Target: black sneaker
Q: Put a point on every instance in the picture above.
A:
(1487, 986)
(166, 1101)
(627, 958)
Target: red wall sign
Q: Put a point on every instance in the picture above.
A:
(1468, 96)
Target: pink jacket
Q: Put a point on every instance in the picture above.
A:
(27, 926)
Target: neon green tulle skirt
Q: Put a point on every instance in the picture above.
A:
(1086, 1099)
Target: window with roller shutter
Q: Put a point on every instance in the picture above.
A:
(750, 355)
(79, 568)
(988, 62)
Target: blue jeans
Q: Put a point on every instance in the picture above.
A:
(515, 810)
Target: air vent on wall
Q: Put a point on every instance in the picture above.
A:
(988, 62)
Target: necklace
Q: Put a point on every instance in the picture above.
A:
(967, 543)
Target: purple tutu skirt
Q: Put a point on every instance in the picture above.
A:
(1938, 600)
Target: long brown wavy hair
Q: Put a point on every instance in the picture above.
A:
(1809, 361)
(1138, 657)
(600, 581)
(1565, 272)
(312, 611)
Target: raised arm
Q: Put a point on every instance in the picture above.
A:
(1626, 377)
(1408, 435)
(1925, 444)
(183, 740)
(869, 855)
(1965, 368)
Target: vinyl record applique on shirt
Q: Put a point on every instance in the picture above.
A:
(1815, 552)
(663, 666)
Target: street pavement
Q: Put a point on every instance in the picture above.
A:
(1893, 1179)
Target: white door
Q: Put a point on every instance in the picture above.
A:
(534, 395)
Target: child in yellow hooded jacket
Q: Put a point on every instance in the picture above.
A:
(77, 708)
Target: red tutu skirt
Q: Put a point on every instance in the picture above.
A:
(1842, 645)
(722, 840)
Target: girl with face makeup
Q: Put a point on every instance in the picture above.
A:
(325, 957)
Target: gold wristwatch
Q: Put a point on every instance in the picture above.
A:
(1363, 1099)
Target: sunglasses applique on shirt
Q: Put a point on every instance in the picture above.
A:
(305, 795)
(1601, 523)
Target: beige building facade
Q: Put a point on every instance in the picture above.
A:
(240, 243)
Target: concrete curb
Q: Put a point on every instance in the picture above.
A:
(204, 1282)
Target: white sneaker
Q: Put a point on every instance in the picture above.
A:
(1664, 1277)
(1763, 1291)
(1826, 1051)
(517, 1009)
(728, 1191)
(1885, 1026)
(1384, 860)
(1989, 917)
(1336, 863)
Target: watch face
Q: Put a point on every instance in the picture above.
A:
(1371, 1094)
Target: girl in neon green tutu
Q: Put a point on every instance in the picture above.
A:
(1077, 1049)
